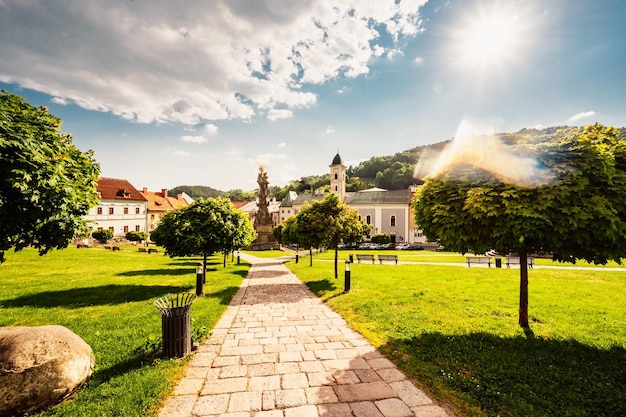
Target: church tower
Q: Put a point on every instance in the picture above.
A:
(338, 177)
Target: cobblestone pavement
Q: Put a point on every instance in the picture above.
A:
(278, 351)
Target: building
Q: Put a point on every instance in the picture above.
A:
(388, 211)
(121, 209)
(159, 203)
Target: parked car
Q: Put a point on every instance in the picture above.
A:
(416, 247)
(403, 246)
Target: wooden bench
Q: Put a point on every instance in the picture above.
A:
(142, 250)
(153, 250)
(114, 248)
(478, 260)
(382, 258)
(107, 247)
(364, 257)
(514, 260)
(82, 245)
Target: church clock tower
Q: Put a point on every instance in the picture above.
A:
(338, 177)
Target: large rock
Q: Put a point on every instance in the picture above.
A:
(40, 366)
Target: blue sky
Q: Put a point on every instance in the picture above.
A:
(204, 92)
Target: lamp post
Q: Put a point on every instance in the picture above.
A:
(346, 284)
(238, 258)
(199, 279)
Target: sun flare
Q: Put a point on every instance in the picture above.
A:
(488, 39)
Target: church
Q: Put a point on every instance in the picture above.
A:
(388, 211)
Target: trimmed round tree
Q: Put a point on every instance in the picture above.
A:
(46, 183)
(579, 214)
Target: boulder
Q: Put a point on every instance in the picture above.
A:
(40, 366)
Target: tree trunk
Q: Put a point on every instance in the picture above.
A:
(225, 257)
(336, 260)
(310, 256)
(523, 290)
(204, 270)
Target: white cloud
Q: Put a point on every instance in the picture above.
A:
(194, 139)
(276, 114)
(419, 61)
(60, 100)
(207, 61)
(282, 145)
(210, 129)
(580, 116)
(330, 129)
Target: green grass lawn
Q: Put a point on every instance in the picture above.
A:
(454, 330)
(107, 299)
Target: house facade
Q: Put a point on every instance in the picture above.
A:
(160, 203)
(121, 209)
(387, 211)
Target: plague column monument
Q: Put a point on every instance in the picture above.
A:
(263, 224)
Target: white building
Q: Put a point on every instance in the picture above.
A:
(121, 208)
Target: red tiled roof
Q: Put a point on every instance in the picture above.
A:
(160, 201)
(118, 189)
(239, 204)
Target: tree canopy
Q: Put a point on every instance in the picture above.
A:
(46, 183)
(203, 228)
(328, 222)
(580, 213)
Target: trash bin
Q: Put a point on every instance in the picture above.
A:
(498, 262)
(176, 323)
(351, 258)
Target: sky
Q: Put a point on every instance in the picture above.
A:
(205, 92)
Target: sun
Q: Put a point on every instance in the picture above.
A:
(489, 39)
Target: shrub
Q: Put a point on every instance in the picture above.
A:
(381, 238)
(102, 234)
(134, 236)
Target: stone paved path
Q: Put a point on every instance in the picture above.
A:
(278, 351)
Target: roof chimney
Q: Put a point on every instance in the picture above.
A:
(145, 190)
(164, 192)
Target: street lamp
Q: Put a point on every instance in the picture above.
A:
(346, 284)
(199, 279)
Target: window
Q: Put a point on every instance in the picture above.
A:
(112, 229)
(152, 217)
(99, 210)
(125, 229)
(137, 228)
(125, 210)
(393, 221)
(368, 219)
(336, 188)
(336, 177)
(110, 210)
(151, 227)
(136, 210)
(99, 228)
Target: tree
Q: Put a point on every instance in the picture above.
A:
(382, 238)
(135, 236)
(328, 222)
(579, 214)
(102, 234)
(203, 228)
(46, 183)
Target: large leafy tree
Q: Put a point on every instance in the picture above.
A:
(46, 183)
(579, 214)
(206, 227)
(328, 222)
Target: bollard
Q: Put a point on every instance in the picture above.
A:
(296, 257)
(199, 280)
(346, 284)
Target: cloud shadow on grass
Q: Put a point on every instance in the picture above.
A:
(91, 296)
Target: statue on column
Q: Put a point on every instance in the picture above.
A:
(263, 223)
(262, 215)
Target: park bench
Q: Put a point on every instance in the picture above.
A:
(153, 250)
(107, 247)
(144, 250)
(514, 260)
(382, 258)
(364, 257)
(116, 248)
(82, 245)
(478, 260)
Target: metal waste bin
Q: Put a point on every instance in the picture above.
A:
(176, 323)
(498, 262)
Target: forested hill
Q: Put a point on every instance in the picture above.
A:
(392, 172)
